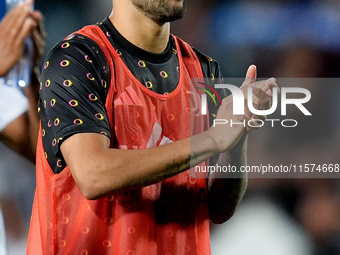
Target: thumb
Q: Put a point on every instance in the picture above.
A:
(251, 72)
(250, 75)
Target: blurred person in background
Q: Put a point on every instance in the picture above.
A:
(19, 122)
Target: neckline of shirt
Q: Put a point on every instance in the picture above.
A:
(123, 43)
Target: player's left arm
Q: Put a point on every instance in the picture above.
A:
(225, 190)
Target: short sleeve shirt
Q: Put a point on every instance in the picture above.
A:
(76, 78)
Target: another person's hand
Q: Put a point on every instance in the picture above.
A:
(39, 38)
(14, 28)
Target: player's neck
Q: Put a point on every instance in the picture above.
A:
(140, 30)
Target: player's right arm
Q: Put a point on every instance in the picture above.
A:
(98, 169)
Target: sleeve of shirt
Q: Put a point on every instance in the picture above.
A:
(13, 103)
(212, 75)
(74, 84)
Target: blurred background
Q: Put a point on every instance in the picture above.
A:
(285, 39)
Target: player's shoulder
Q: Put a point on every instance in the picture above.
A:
(210, 66)
(203, 57)
(77, 57)
(79, 54)
(77, 46)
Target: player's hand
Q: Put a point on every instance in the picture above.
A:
(228, 128)
(261, 95)
(15, 26)
(227, 132)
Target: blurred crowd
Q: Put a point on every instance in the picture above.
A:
(285, 39)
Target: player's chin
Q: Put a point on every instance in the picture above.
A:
(172, 17)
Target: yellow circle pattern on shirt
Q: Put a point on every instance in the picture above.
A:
(78, 122)
(90, 77)
(67, 83)
(141, 63)
(53, 102)
(65, 45)
(88, 59)
(99, 116)
(73, 103)
(47, 83)
(164, 74)
(64, 63)
(93, 97)
(149, 84)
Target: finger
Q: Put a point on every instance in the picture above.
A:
(11, 18)
(267, 85)
(264, 103)
(251, 72)
(39, 42)
(38, 17)
(30, 2)
(278, 89)
(260, 100)
(247, 113)
(18, 17)
(258, 90)
(254, 116)
(270, 85)
(250, 75)
(26, 29)
(260, 95)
